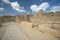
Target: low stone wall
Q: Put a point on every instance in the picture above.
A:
(7, 18)
(49, 30)
(26, 24)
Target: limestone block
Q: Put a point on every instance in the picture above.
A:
(49, 30)
(57, 26)
(17, 20)
(26, 24)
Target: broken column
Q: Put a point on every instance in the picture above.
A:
(40, 12)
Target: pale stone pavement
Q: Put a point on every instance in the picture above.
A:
(16, 31)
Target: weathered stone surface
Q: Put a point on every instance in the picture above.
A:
(49, 30)
(26, 24)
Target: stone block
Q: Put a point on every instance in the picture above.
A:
(49, 30)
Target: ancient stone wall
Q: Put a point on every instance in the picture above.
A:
(7, 18)
(20, 18)
(47, 19)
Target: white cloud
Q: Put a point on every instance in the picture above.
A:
(6, 1)
(43, 6)
(1, 9)
(34, 8)
(17, 7)
(55, 9)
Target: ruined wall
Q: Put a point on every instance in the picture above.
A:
(20, 18)
(4, 19)
(7, 18)
(48, 19)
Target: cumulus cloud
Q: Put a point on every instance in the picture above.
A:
(34, 8)
(1, 9)
(43, 6)
(55, 9)
(17, 7)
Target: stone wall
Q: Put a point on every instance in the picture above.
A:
(47, 19)
(20, 18)
(7, 18)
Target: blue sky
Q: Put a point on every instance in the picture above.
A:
(13, 7)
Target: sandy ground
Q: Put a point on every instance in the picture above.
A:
(16, 31)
